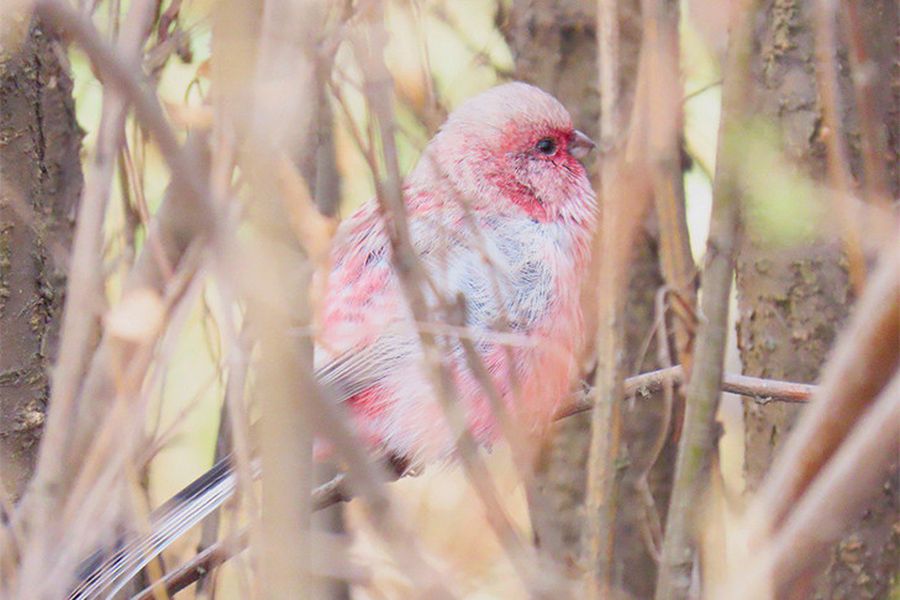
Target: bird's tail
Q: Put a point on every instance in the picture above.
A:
(105, 574)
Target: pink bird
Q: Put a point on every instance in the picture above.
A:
(501, 213)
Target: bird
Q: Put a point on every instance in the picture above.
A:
(500, 214)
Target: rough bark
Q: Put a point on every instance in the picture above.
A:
(793, 300)
(555, 48)
(40, 183)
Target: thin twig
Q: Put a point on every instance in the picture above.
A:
(327, 494)
(367, 478)
(645, 384)
(412, 278)
(196, 569)
(652, 525)
(224, 446)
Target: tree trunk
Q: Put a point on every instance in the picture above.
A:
(792, 300)
(40, 184)
(555, 48)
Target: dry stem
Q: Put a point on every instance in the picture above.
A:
(662, 106)
(606, 419)
(825, 24)
(698, 439)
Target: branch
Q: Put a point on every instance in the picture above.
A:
(337, 490)
(761, 390)
(412, 277)
(275, 283)
(601, 486)
(198, 567)
(698, 441)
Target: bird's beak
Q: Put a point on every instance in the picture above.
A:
(580, 145)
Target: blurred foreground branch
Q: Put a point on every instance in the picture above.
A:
(337, 490)
(83, 466)
(820, 459)
(851, 478)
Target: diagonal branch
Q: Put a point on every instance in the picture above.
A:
(852, 477)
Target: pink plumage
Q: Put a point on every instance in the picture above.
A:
(500, 211)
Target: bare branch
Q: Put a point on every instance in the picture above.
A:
(662, 107)
(698, 438)
(614, 243)
(645, 384)
(413, 278)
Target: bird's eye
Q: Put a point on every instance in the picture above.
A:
(546, 146)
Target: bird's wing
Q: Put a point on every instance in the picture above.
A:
(368, 331)
(365, 331)
(357, 370)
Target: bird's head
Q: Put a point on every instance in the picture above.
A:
(515, 144)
